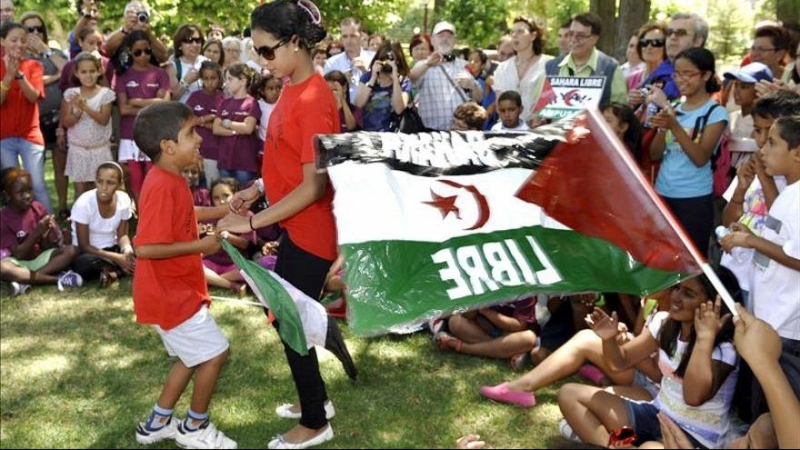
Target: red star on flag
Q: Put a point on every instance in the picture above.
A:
(446, 205)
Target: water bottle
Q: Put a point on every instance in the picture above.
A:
(652, 110)
(739, 254)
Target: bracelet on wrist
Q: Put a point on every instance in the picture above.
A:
(736, 200)
(251, 224)
(3, 87)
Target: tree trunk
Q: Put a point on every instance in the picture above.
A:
(632, 15)
(787, 10)
(607, 10)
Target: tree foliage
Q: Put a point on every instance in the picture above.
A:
(168, 15)
(731, 28)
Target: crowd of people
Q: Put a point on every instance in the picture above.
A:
(203, 132)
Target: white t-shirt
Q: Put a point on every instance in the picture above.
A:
(709, 423)
(185, 69)
(102, 232)
(266, 111)
(522, 126)
(754, 215)
(775, 288)
(529, 87)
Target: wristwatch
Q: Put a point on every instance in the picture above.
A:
(19, 76)
(48, 53)
(226, 123)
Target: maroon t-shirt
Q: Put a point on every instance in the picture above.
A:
(139, 84)
(15, 226)
(203, 104)
(239, 152)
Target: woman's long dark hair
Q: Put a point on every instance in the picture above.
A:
(123, 59)
(396, 50)
(670, 331)
(286, 18)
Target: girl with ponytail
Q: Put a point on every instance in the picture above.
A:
(237, 126)
(284, 32)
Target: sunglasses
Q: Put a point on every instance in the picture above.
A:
(138, 52)
(35, 29)
(268, 52)
(193, 40)
(680, 32)
(657, 43)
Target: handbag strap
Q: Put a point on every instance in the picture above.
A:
(461, 93)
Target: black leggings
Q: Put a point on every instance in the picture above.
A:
(307, 273)
(696, 214)
(89, 266)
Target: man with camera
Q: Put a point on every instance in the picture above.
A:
(443, 81)
(137, 17)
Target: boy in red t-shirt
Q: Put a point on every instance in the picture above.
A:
(169, 287)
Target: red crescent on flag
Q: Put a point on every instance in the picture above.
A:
(568, 96)
(480, 200)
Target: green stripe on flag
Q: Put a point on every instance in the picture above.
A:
(397, 282)
(270, 292)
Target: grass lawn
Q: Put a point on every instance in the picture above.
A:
(76, 371)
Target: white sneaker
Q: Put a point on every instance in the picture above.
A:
(567, 431)
(168, 431)
(205, 437)
(325, 436)
(19, 288)
(285, 411)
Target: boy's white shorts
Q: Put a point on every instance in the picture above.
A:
(196, 340)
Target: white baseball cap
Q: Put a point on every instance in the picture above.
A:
(444, 26)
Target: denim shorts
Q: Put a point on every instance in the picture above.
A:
(643, 417)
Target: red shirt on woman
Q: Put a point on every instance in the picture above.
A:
(303, 111)
(21, 117)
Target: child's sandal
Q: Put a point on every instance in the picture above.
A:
(108, 277)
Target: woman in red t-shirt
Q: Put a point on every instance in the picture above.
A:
(283, 33)
(21, 87)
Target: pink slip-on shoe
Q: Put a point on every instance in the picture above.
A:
(501, 393)
(594, 375)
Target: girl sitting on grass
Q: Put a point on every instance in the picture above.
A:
(697, 360)
(219, 268)
(100, 227)
(30, 250)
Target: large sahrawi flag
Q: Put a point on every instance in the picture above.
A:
(434, 223)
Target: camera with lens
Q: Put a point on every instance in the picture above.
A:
(385, 66)
(449, 57)
(143, 16)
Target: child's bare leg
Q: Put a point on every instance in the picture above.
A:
(177, 380)
(12, 272)
(60, 260)
(584, 346)
(631, 392)
(591, 412)
(502, 347)
(232, 275)
(215, 279)
(467, 330)
(205, 381)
